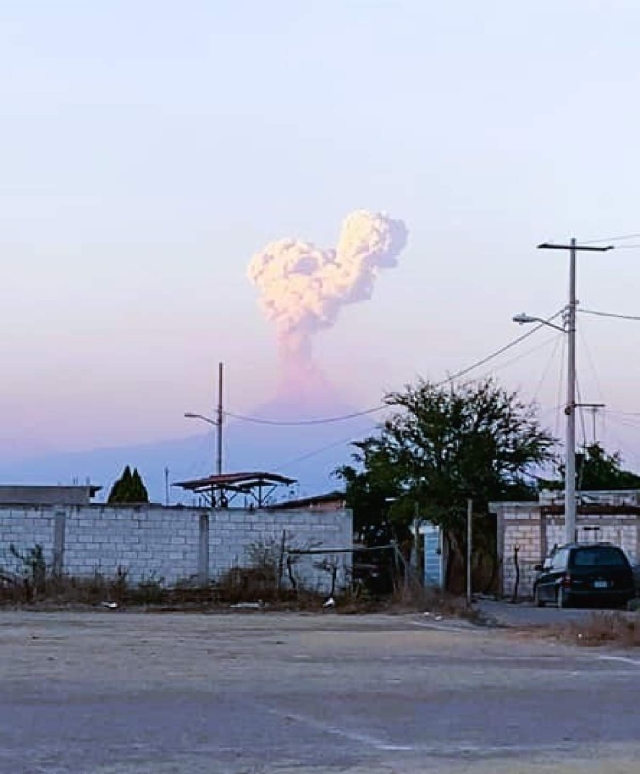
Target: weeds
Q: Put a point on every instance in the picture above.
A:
(607, 629)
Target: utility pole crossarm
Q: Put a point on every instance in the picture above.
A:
(582, 248)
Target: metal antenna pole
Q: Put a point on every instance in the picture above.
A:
(219, 419)
(570, 408)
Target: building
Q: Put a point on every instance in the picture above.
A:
(528, 531)
(13, 494)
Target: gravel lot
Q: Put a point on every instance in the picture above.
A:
(118, 693)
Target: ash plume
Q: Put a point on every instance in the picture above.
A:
(303, 287)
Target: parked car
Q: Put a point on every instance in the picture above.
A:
(597, 573)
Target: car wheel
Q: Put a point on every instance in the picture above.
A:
(536, 597)
(562, 599)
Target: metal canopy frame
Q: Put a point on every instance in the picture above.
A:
(221, 490)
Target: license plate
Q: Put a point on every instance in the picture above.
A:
(600, 585)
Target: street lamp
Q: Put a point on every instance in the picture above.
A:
(524, 319)
(218, 425)
(208, 420)
(570, 439)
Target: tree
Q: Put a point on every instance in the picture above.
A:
(129, 488)
(442, 446)
(598, 470)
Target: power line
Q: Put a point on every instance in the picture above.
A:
(350, 437)
(620, 238)
(556, 430)
(558, 339)
(581, 407)
(382, 406)
(304, 422)
(596, 376)
(610, 314)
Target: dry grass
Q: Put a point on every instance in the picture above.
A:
(252, 588)
(412, 597)
(607, 629)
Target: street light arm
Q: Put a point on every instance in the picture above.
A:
(524, 319)
(190, 415)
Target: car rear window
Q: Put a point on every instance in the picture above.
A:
(599, 557)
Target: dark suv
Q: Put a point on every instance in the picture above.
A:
(596, 573)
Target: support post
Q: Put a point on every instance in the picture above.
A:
(415, 550)
(59, 530)
(469, 546)
(203, 550)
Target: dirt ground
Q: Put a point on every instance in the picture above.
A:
(116, 693)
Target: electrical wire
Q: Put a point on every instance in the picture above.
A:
(622, 445)
(520, 357)
(610, 314)
(581, 413)
(556, 430)
(350, 438)
(557, 338)
(629, 420)
(592, 365)
(612, 239)
(382, 406)
(342, 441)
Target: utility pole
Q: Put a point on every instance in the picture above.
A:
(570, 408)
(219, 419)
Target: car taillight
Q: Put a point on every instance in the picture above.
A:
(567, 580)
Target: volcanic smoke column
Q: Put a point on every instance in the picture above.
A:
(303, 287)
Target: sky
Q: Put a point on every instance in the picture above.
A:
(148, 149)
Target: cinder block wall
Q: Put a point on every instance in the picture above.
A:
(165, 543)
(536, 534)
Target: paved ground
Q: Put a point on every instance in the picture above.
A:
(527, 614)
(117, 693)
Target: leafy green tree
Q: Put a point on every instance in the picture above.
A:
(442, 446)
(129, 488)
(596, 470)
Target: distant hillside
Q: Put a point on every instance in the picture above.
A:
(308, 453)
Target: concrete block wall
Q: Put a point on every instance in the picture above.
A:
(25, 528)
(519, 526)
(234, 532)
(167, 543)
(536, 534)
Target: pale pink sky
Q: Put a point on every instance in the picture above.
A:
(148, 151)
